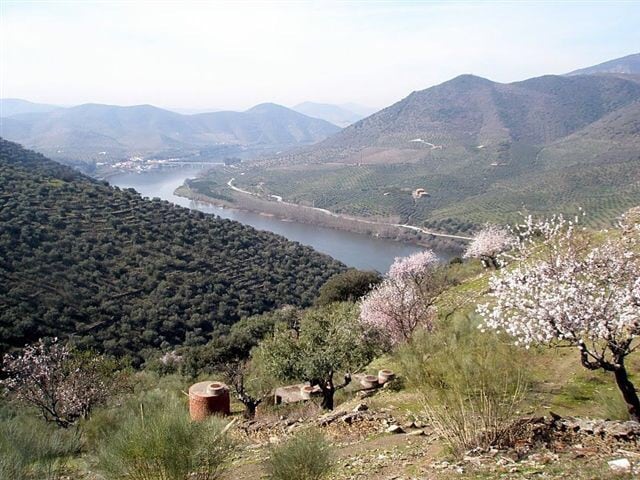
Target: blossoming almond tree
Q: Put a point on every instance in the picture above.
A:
(488, 243)
(567, 289)
(61, 384)
(405, 299)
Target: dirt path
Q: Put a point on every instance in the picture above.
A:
(375, 458)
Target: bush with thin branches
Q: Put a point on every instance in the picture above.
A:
(159, 441)
(305, 456)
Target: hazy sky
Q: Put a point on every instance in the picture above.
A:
(236, 54)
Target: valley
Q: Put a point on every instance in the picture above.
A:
(361, 251)
(308, 240)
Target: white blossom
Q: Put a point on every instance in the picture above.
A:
(489, 242)
(565, 287)
(61, 386)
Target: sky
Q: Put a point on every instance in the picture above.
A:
(232, 55)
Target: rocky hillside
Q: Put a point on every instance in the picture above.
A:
(629, 65)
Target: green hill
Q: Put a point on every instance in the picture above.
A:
(482, 150)
(119, 273)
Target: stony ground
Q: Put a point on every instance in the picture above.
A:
(388, 443)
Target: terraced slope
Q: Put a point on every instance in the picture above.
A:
(120, 273)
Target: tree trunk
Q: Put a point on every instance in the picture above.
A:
(628, 391)
(327, 398)
(250, 410)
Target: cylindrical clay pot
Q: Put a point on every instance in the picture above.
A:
(306, 391)
(369, 381)
(385, 375)
(208, 398)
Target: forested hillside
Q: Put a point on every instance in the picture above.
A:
(120, 273)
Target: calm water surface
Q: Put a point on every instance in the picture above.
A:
(353, 249)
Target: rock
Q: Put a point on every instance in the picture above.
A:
(361, 407)
(395, 429)
(416, 433)
(620, 465)
(348, 418)
(623, 430)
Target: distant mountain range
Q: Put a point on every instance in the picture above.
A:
(629, 65)
(471, 112)
(93, 132)
(16, 106)
(482, 150)
(341, 115)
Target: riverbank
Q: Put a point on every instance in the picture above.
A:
(243, 200)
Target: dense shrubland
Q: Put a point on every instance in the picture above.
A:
(160, 442)
(126, 275)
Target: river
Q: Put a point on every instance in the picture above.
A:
(352, 249)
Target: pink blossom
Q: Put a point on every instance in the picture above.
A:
(404, 301)
(416, 264)
(396, 308)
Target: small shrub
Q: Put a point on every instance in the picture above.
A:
(457, 351)
(347, 286)
(161, 442)
(466, 420)
(473, 383)
(305, 456)
(32, 449)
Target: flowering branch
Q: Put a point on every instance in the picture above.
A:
(62, 385)
(405, 300)
(566, 289)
